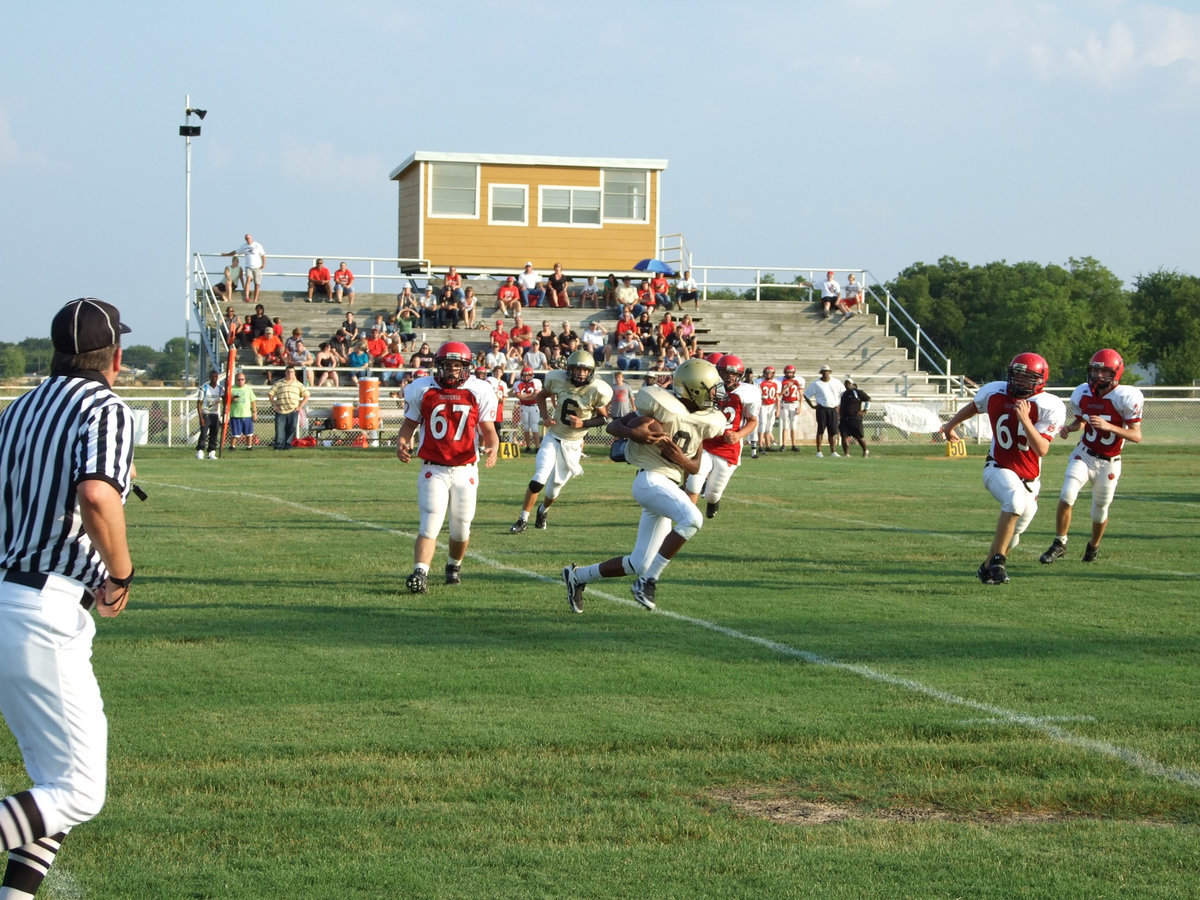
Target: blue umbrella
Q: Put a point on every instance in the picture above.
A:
(653, 265)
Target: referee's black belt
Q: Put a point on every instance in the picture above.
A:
(1095, 455)
(37, 581)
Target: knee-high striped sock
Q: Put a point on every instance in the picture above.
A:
(28, 865)
(20, 820)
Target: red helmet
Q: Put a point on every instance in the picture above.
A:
(714, 357)
(481, 371)
(1105, 371)
(730, 368)
(1027, 374)
(421, 373)
(451, 363)
(789, 371)
(768, 372)
(527, 371)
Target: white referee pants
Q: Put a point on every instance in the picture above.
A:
(51, 700)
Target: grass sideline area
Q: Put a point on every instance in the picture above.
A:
(826, 704)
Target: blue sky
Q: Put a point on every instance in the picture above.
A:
(849, 133)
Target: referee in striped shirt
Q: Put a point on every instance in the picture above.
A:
(66, 458)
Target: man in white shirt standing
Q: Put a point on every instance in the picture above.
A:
(254, 257)
(824, 395)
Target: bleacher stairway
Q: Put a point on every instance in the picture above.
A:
(764, 333)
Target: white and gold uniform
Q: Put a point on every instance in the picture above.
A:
(658, 486)
(558, 457)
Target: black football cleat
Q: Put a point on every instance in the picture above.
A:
(519, 526)
(1090, 552)
(1057, 551)
(453, 574)
(574, 589)
(711, 509)
(418, 582)
(540, 521)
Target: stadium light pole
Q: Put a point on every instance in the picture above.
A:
(188, 131)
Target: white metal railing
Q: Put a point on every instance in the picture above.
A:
(421, 266)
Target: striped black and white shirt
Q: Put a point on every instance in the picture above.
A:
(70, 428)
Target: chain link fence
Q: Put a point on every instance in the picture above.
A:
(168, 418)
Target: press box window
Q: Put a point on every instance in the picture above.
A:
(454, 189)
(570, 206)
(508, 204)
(626, 193)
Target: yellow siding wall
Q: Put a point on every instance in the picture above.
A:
(473, 243)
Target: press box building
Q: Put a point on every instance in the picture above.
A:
(493, 212)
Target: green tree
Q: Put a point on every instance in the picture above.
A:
(12, 361)
(170, 365)
(39, 353)
(141, 356)
(1166, 307)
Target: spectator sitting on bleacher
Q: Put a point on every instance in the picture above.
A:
(589, 293)
(277, 327)
(340, 344)
(665, 331)
(672, 359)
(645, 299)
(404, 327)
(268, 351)
(260, 322)
(232, 282)
(231, 325)
(454, 281)
(351, 327)
(379, 324)
(594, 338)
(626, 294)
(320, 280)
(647, 333)
(521, 334)
(629, 351)
(499, 335)
(546, 339)
(360, 359)
(423, 358)
(376, 345)
(686, 290)
(661, 289)
(495, 356)
(687, 335)
(343, 278)
(508, 298)
(535, 359)
(610, 290)
(429, 307)
(469, 303)
(245, 336)
(514, 362)
(302, 359)
(566, 334)
(556, 288)
(406, 300)
(529, 283)
(290, 344)
(393, 361)
(325, 361)
(849, 304)
(449, 310)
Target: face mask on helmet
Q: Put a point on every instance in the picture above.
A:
(581, 367)
(452, 364)
(1027, 374)
(730, 368)
(1105, 371)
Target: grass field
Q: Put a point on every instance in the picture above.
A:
(826, 704)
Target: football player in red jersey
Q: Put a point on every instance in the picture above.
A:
(723, 453)
(453, 410)
(791, 389)
(527, 388)
(768, 388)
(1024, 421)
(1110, 414)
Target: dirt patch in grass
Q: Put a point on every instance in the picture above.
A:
(794, 811)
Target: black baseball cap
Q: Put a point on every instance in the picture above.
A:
(86, 324)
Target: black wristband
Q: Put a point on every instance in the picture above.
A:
(594, 421)
(123, 582)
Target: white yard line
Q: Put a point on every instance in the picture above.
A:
(1041, 724)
